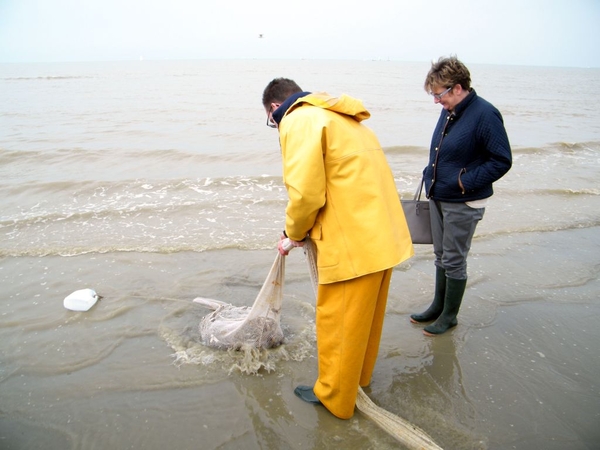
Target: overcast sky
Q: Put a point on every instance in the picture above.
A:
(522, 32)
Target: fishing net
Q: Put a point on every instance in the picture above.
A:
(258, 327)
(237, 327)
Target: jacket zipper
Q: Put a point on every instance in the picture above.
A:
(437, 153)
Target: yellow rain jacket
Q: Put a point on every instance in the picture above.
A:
(341, 189)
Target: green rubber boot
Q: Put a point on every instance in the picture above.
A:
(437, 306)
(455, 290)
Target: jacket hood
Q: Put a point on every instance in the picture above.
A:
(343, 104)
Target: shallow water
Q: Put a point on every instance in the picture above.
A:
(519, 371)
(157, 183)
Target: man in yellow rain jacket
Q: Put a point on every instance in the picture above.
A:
(341, 193)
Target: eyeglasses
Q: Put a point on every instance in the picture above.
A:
(439, 96)
(270, 122)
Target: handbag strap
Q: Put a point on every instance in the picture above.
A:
(419, 189)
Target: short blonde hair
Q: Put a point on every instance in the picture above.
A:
(448, 72)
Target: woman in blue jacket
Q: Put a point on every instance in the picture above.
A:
(469, 151)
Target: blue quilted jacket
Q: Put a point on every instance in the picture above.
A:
(470, 144)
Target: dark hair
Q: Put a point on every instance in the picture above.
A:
(278, 90)
(448, 72)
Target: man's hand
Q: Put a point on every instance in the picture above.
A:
(286, 244)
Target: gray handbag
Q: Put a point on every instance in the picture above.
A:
(416, 212)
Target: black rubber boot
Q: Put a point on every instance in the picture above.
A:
(307, 394)
(437, 306)
(455, 290)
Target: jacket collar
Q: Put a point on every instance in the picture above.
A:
(458, 109)
(280, 112)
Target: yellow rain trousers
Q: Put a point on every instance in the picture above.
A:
(349, 323)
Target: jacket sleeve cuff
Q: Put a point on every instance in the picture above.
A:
(285, 234)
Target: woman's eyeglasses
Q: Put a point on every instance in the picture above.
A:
(439, 96)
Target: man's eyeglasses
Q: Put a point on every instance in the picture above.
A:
(270, 122)
(440, 95)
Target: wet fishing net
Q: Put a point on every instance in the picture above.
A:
(258, 327)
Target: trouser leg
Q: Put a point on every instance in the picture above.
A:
(349, 323)
(458, 222)
(376, 329)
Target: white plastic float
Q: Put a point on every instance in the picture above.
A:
(81, 300)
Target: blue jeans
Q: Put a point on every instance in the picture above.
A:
(453, 226)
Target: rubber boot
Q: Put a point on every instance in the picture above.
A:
(437, 306)
(455, 290)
